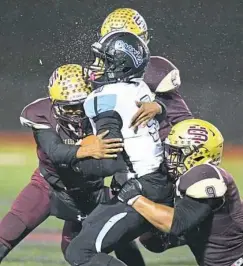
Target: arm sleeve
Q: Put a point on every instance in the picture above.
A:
(163, 115)
(58, 152)
(189, 213)
(111, 121)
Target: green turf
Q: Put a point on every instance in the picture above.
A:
(13, 177)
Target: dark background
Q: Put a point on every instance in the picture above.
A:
(204, 39)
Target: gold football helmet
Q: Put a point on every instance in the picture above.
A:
(126, 19)
(192, 142)
(68, 91)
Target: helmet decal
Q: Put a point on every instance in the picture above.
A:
(137, 56)
(139, 20)
(198, 134)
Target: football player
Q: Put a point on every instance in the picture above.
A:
(58, 122)
(162, 76)
(208, 211)
(163, 79)
(120, 59)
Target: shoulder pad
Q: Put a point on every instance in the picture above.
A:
(96, 104)
(163, 62)
(170, 82)
(35, 115)
(162, 75)
(202, 182)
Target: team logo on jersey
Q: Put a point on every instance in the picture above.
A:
(137, 56)
(69, 141)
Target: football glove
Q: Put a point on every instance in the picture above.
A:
(130, 191)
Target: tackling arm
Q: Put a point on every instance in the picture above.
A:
(58, 152)
(63, 154)
(159, 215)
(203, 188)
(186, 215)
(36, 116)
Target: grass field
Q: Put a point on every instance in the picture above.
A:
(42, 247)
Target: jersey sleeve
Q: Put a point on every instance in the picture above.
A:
(202, 182)
(50, 142)
(35, 115)
(101, 110)
(188, 213)
(98, 104)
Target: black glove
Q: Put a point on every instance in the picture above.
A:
(130, 191)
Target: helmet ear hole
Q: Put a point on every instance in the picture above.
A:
(198, 158)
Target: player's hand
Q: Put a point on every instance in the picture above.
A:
(130, 191)
(146, 112)
(99, 148)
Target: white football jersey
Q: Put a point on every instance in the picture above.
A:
(144, 146)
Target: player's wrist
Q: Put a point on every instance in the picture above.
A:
(159, 108)
(131, 201)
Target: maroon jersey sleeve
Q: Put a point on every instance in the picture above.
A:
(202, 182)
(163, 78)
(37, 115)
(177, 109)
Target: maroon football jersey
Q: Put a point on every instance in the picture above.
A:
(39, 115)
(177, 110)
(219, 239)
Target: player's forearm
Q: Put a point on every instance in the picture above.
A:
(58, 152)
(103, 167)
(159, 215)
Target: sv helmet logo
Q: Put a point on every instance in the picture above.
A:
(136, 55)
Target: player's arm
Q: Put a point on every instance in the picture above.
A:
(177, 109)
(58, 152)
(187, 214)
(148, 111)
(204, 191)
(106, 166)
(46, 137)
(105, 118)
(64, 154)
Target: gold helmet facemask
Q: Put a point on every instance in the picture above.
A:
(125, 19)
(190, 143)
(68, 90)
